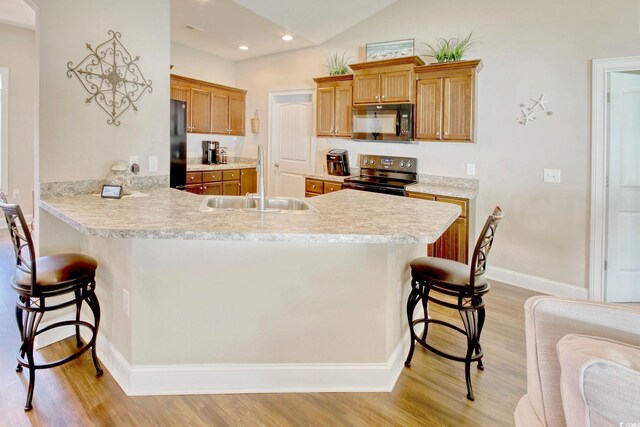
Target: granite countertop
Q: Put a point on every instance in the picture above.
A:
(443, 190)
(205, 168)
(344, 216)
(327, 177)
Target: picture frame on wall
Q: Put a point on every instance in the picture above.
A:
(391, 49)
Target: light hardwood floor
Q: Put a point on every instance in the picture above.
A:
(430, 393)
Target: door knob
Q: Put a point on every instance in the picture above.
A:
(277, 165)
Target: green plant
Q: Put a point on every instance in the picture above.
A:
(449, 50)
(337, 65)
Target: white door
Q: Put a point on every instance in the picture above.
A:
(290, 145)
(623, 227)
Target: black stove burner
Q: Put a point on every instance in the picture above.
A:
(377, 185)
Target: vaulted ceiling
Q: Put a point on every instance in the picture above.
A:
(17, 12)
(221, 26)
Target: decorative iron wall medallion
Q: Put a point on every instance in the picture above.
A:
(112, 77)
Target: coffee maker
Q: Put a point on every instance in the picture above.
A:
(338, 162)
(210, 152)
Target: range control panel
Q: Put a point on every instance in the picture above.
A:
(399, 164)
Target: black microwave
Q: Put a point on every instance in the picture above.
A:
(386, 123)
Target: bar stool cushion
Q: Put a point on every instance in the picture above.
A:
(447, 273)
(58, 270)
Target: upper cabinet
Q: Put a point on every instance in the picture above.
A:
(446, 101)
(334, 95)
(385, 82)
(211, 108)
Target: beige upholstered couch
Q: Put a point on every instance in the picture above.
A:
(583, 364)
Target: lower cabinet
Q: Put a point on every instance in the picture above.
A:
(248, 181)
(230, 182)
(315, 187)
(454, 243)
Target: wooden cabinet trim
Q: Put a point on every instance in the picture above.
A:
(333, 79)
(408, 60)
(200, 83)
(450, 66)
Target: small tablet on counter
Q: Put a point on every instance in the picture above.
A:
(111, 192)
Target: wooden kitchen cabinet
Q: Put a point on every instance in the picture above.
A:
(228, 113)
(193, 188)
(212, 188)
(385, 82)
(200, 103)
(446, 101)
(315, 187)
(454, 243)
(230, 188)
(211, 108)
(228, 182)
(248, 181)
(334, 103)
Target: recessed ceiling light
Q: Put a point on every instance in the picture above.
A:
(243, 47)
(287, 37)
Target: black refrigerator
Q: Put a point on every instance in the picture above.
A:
(178, 171)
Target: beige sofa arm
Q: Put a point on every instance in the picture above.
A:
(547, 320)
(600, 381)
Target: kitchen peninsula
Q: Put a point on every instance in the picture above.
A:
(233, 301)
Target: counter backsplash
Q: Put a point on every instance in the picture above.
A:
(198, 160)
(74, 188)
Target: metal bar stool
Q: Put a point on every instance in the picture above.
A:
(36, 281)
(464, 286)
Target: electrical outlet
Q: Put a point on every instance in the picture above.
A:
(552, 176)
(153, 163)
(134, 159)
(125, 301)
(16, 194)
(471, 169)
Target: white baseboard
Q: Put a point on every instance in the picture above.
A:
(227, 378)
(535, 283)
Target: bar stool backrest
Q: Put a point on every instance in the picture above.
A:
(483, 246)
(21, 238)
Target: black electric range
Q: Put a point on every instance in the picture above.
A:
(384, 174)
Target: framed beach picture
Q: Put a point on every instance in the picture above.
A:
(389, 50)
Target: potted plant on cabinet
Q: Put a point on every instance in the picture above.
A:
(449, 50)
(337, 65)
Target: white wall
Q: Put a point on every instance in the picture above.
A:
(528, 49)
(76, 143)
(17, 54)
(197, 64)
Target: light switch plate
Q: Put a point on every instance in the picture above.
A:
(471, 169)
(153, 164)
(552, 176)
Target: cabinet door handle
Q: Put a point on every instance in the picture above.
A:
(384, 96)
(446, 134)
(377, 97)
(437, 133)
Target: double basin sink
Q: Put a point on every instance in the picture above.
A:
(244, 204)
